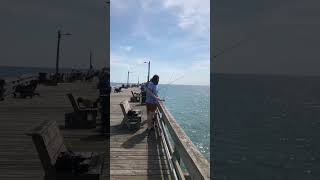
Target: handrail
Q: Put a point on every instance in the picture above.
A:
(21, 80)
(183, 149)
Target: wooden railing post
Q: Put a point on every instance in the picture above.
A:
(176, 154)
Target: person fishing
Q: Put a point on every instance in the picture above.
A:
(152, 99)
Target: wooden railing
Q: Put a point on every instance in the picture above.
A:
(9, 85)
(21, 80)
(182, 154)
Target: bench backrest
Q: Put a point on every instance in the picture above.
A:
(49, 143)
(125, 107)
(73, 102)
(135, 94)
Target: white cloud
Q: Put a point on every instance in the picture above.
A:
(117, 61)
(124, 61)
(190, 17)
(193, 15)
(141, 29)
(146, 4)
(120, 6)
(126, 48)
(203, 65)
(140, 61)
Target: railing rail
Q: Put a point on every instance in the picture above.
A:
(8, 86)
(21, 80)
(180, 149)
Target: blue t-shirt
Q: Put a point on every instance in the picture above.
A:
(153, 88)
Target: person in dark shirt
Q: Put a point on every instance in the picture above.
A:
(152, 99)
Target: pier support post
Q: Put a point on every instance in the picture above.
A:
(2, 89)
(58, 53)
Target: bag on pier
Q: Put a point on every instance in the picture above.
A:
(71, 162)
(132, 113)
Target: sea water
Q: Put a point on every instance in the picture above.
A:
(266, 127)
(190, 106)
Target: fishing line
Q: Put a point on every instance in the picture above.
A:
(166, 88)
(167, 81)
(247, 37)
(164, 94)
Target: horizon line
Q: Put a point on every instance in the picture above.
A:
(168, 84)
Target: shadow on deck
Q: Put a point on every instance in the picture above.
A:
(134, 154)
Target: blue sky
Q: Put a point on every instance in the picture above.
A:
(172, 34)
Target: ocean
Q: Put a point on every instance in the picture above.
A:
(265, 127)
(190, 105)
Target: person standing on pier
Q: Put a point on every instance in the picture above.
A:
(105, 90)
(152, 99)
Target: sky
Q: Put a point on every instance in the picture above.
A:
(174, 35)
(28, 33)
(281, 37)
(278, 37)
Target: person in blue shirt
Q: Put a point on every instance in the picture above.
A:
(152, 99)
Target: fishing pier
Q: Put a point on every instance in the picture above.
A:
(166, 153)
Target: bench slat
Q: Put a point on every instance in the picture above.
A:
(49, 143)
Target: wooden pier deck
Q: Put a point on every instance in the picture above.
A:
(133, 155)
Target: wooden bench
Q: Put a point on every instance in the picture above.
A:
(50, 145)
(81, 117)
(135, 97)
(87, 103)
(26, 90)
(117, 90)
(132, 122)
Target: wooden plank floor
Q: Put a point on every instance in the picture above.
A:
(133, 154)
(18, 156)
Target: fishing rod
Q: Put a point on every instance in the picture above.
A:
(169, 83)
(176, 79)
(235, 45)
